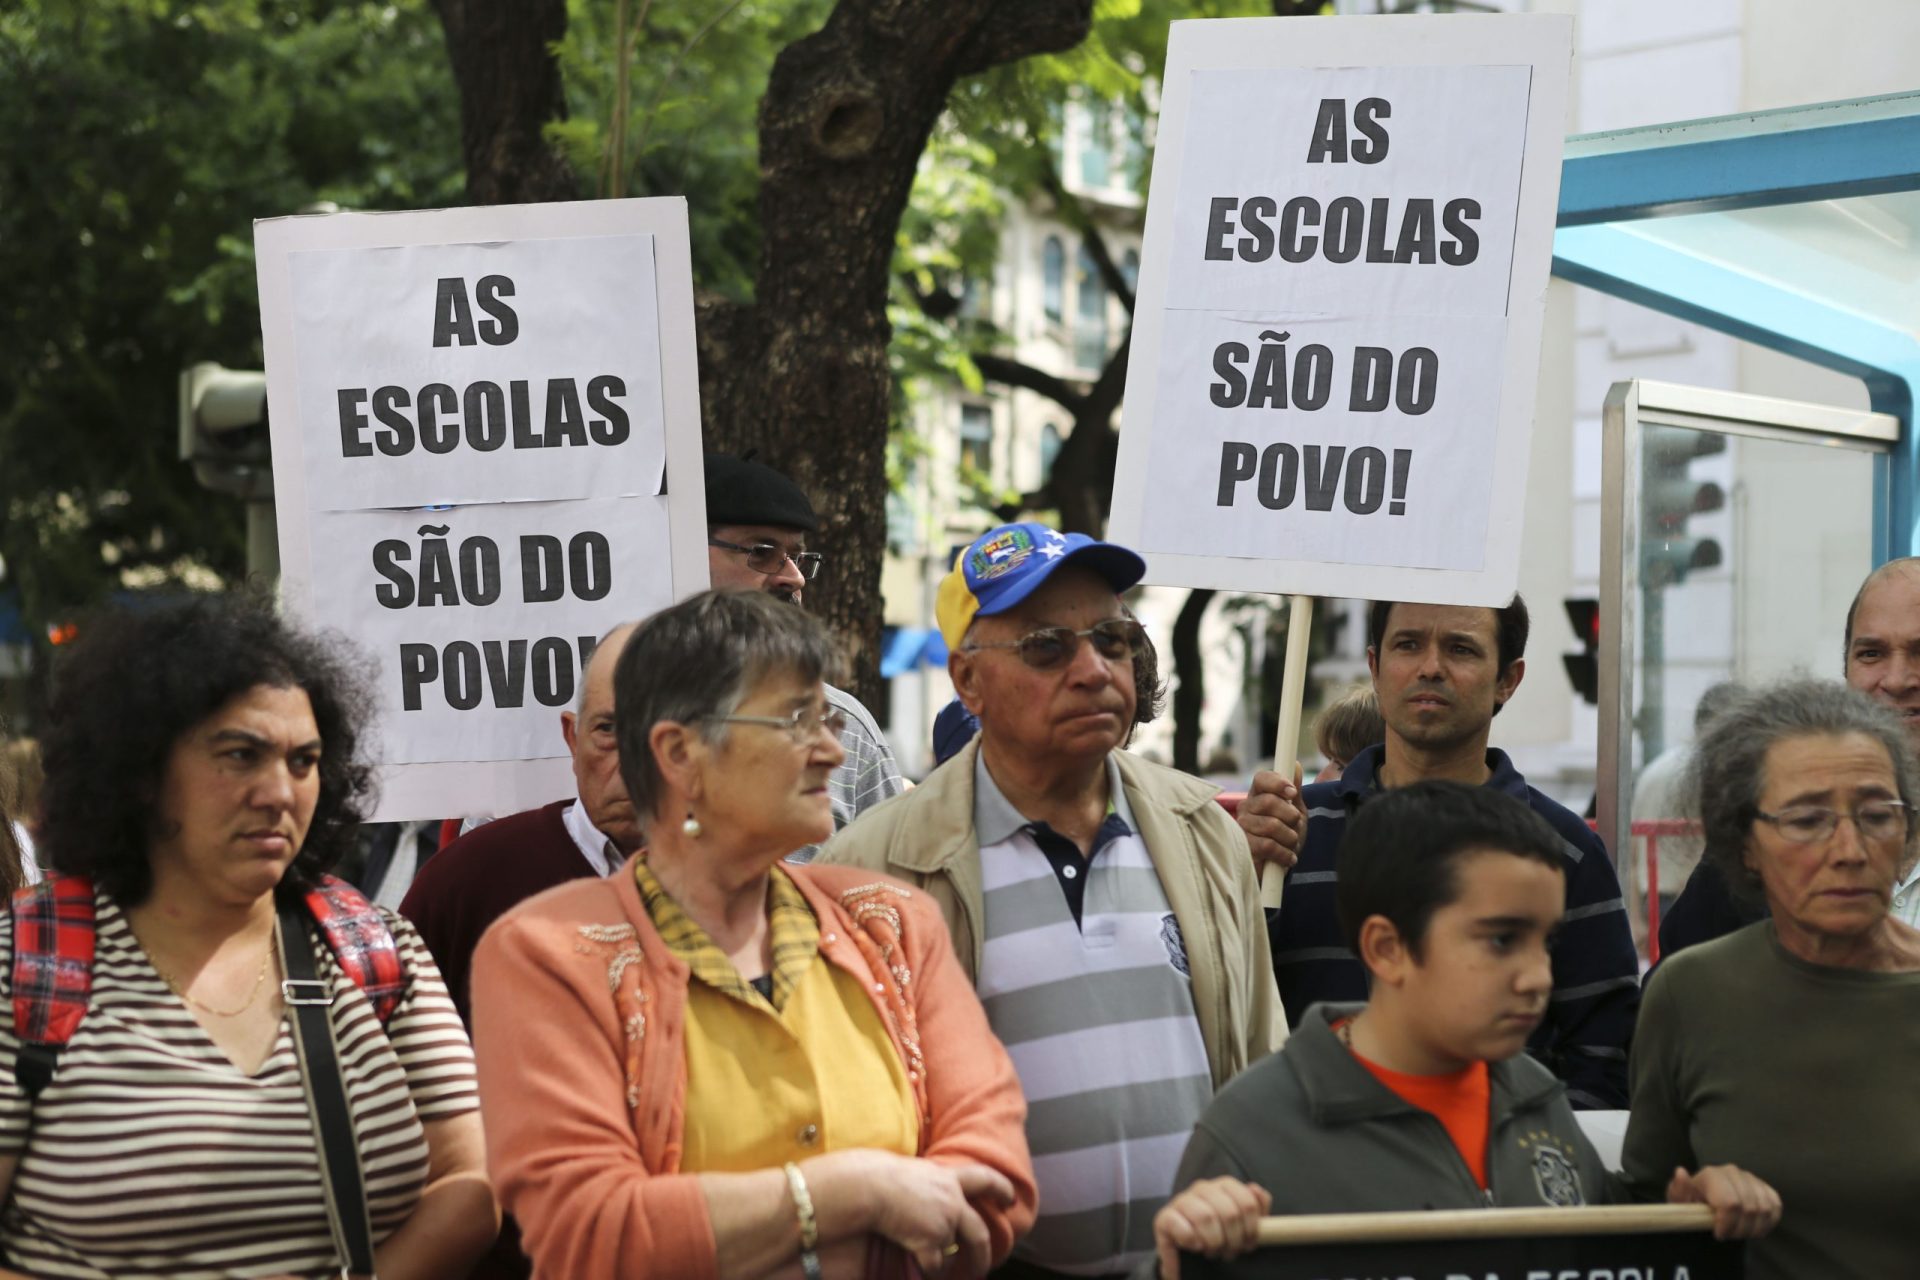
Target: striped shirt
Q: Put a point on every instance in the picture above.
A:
(866, 777)
(151, 1154)
(1098, 1018)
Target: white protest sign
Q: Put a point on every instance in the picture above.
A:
(1341, 292)
(486, 447)
(528, 371)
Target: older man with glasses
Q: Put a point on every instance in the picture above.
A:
(1104, 905)
(758, 522)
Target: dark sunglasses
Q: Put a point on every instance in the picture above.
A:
(1116, 640)
(764, 557)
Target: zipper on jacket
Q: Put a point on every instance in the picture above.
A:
(1474, 1189)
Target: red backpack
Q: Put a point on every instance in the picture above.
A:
(53, 928)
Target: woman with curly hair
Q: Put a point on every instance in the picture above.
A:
(203, 770)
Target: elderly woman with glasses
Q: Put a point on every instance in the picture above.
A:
(714, 1064)
(1792, 1047)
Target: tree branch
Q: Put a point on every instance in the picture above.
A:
(1014, 373)
(1099, 403)
(1074, 212)
(1016, 29)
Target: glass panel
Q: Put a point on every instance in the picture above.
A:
(976, 439)
(1090, 324)
(1096, 145)
(1053, 276)
(1050, 442)
(1749, 552)
(1861, 253)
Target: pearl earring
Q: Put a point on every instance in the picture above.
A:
(691, 827)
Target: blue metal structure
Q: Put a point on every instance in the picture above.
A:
(1789, 229)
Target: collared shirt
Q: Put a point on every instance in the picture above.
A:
(1096, 1010)
(799, 1069)
(995, 819)
(593, 844)
(1906, 898)
(795, 939)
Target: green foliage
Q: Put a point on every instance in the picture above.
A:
(999, 144)
(138, 141)
(1016, 110)
(693, 82)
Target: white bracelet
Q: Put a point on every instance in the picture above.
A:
(809, 1225)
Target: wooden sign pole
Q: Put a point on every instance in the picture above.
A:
(1286, 743)
(1470, 1224)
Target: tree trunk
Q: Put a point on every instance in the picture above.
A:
(799, 375)
(805, 379)
(509, 83)
(1190, 682)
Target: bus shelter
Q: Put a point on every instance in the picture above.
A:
(1736, 527)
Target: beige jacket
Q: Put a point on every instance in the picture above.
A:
(926, 838)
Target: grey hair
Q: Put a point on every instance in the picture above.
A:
(1728, 769)
(699, 660)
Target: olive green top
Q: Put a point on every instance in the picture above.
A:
(1805, 1075)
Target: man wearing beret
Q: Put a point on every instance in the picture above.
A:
(1105, 906)
(757, 527)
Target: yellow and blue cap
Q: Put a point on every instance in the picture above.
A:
(1004, 566)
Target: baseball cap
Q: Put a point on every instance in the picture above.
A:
(1004, 566)
(743, 491)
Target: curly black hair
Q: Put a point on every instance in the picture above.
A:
(138, 679)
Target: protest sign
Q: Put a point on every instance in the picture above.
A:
(486, 453)
(1651, 1242)
(1341, 292)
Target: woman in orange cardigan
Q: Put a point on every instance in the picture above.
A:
(716, 1064)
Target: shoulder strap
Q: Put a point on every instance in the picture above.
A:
(52, 972)
(308, 999)
(360, 941)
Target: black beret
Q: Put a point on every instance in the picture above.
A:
(742, 491)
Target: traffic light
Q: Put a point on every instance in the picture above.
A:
(223, 430)
(1669, 498)
(1583, 669)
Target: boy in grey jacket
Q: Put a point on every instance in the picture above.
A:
(1421, 1098)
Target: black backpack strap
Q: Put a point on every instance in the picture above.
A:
(309, 999)
(33, 1067)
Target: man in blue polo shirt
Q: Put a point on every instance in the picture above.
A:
(1442, 672)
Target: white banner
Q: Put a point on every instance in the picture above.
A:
(459, 373)
(483, 616)
(1342, 286)
(486, 445)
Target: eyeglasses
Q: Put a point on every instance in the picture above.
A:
(1116, 640)
(1806, 824)
(765, 557)
(801, 726)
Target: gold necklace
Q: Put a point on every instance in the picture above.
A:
(253, 993)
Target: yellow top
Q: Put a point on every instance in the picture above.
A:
(771, 1080)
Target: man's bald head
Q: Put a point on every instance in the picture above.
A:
(1901, 569)
(606, 653)
(589, 732)
(1883, 639)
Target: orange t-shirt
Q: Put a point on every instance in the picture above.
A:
(1461, 1100)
